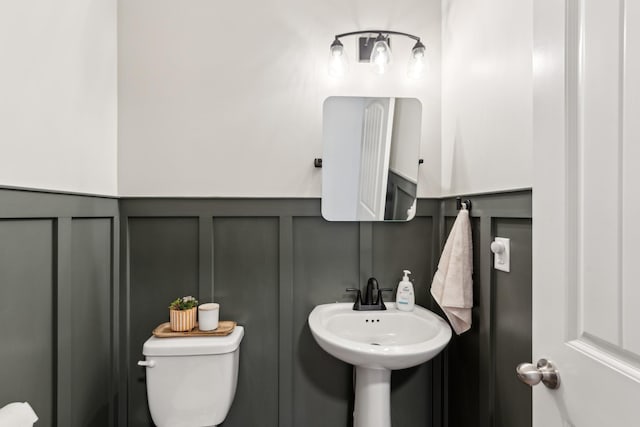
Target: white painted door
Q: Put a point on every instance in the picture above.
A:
(377, 125)
(586, 211)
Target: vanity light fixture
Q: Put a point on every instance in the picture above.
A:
(380, 53)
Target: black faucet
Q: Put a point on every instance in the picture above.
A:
(368, 303)
(372, 285)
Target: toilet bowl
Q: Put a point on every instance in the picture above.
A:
(191, 381)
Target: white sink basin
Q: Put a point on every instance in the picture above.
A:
(377, 342)
(390, 339)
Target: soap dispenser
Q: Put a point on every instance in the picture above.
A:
(405, 298)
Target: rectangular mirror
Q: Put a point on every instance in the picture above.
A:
(370, 155)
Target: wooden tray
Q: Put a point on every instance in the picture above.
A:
(225, 327)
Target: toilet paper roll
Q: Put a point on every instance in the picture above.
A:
(17, 414)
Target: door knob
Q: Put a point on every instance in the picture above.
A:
(544, 371)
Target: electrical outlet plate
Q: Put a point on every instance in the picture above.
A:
(502, 261)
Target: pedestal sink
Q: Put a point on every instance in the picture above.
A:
(376, 342)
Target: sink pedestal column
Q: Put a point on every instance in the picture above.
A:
(372, 406)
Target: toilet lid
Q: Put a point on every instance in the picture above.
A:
(192, 346)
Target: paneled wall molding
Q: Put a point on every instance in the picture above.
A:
(507, 215)
(268, 261)
(220, 233)
(78, 282)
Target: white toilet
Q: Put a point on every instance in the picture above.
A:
(191, 381)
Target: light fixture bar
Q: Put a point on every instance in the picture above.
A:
(380, 53)
(387, 32)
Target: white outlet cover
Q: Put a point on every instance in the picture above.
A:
(502, 261)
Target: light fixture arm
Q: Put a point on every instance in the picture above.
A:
(387, 32)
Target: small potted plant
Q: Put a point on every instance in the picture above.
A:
(182, 314)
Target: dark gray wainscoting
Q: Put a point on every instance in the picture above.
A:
(481, 388)
(58, 306)
(268, 262)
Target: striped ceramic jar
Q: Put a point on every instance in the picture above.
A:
(183, 320)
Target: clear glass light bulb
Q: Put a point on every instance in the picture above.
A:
(380, 55)
(338, 64)
(417, 62)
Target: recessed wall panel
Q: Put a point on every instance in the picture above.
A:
(27, 290)
(325, 263)
(245, 271)
(397, 247)
(91, 309)
(512, 324)
(404, 246)
(463, 353)
(163, 265)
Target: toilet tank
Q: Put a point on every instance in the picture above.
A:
(191, 381)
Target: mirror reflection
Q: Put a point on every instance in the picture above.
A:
(371, 149)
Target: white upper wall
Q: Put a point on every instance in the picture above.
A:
(225, 99)
(487, 90)
(215, 101)
(58, 107)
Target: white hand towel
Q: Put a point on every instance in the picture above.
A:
(17, 414)
(452, 285)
